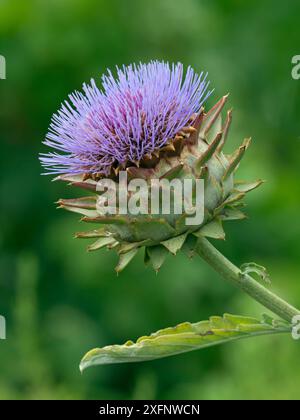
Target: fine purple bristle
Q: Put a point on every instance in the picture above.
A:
(133, 115)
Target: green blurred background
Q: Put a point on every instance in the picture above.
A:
(60, 301)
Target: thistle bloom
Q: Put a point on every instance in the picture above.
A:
(130, 118)
(149, 121)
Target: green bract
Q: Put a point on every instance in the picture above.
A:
(195, 153)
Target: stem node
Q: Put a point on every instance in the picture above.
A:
(245, 282)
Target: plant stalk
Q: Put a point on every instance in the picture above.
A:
(245, 282)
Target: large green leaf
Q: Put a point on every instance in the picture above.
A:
(184, 338)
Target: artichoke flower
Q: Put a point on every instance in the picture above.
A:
(151, 123)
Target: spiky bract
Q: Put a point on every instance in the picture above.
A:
(195, 154)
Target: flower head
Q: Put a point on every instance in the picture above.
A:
(131, 117)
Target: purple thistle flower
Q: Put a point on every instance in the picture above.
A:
(132, 116)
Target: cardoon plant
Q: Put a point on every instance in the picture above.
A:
(150, 124)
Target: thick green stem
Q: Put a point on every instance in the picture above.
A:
(245, 282)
